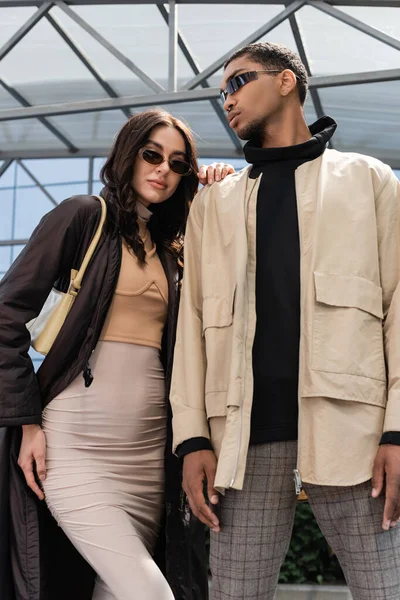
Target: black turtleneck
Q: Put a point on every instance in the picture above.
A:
(276, 344)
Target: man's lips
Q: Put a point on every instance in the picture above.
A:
(158, 185)
(232, 117)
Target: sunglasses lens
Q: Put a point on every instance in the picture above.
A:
(180, 167)
(152, 157)
(238, 82)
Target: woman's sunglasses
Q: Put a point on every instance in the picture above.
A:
(178, 166)
(240, 80)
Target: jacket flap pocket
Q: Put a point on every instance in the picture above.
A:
(217, 312)
(353, 292)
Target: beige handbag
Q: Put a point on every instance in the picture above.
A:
(46, 326)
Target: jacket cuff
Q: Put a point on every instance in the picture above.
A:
(193, 445)
(390, 437)
(19, 421)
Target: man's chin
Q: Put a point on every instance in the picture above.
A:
(242, 133)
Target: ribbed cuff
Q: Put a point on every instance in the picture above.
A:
(193, 445)
(390, 437)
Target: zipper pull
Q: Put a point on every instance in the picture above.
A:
(298, 486)
(87, 375)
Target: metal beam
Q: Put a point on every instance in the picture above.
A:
(13, 242)
(69, 108)
(173, 46)
(277, 20)
(354, 78)
(303, 55)
(102, 151)
(356, 23)
(204, 151)
(26, 27)
(37, 182)
(178, 97)
(361, 3)
(90, 175)
(7, 163)
(22, 100)
(156, 87)
(85, 60)
(196, 70)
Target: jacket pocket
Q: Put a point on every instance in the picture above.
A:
(347, 334)
(217, 330)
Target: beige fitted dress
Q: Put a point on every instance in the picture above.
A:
(105, 443)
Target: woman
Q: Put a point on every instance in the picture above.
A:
(94, 419)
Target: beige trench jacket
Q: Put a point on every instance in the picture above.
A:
(349, 374)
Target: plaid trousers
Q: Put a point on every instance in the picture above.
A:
(256, 526)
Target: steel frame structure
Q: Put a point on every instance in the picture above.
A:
(194, 90)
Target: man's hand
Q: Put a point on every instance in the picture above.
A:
(197, 467)
(33, 452)
(386, 474)
(214, 172)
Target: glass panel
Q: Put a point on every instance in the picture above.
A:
(373, 127)
(31, 205)
(62, 191)
(138, 31)
(356, 51)
(59, 170)
(5, 258)
(11, 21)
(213, 30)
(6, 211)
(7, 179)
(27, 134)
(92, 130)
(384, 18)
(50, 59)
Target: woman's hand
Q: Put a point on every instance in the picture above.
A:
(33, 452)
(214, 172)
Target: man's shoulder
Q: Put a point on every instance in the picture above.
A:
(354, 162)
(232, 187)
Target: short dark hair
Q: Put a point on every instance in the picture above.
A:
(276, 56)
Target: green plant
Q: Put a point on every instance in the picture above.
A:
(309, 559)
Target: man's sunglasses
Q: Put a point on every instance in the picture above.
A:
(152, 157)
(239, 81)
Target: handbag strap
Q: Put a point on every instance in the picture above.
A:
(77, 282)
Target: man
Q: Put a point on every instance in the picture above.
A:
(287, 361)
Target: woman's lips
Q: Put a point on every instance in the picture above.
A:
(157, 185)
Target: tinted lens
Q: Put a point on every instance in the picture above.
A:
(151, 156)
(180, 167)
(238, 82)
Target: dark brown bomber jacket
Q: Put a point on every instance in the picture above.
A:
(39, 563)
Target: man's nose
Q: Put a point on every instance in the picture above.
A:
(229, 103)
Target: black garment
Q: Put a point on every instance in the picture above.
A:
(36, 559)
(276, 344)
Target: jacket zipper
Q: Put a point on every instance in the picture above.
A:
(298, 484)
(244, 368)
(87, 371)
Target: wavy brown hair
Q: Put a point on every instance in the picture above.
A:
(167, 224)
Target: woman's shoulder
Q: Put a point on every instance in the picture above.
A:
(74, 211)
(82, 203)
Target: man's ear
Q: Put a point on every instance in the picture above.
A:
(288, 82)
